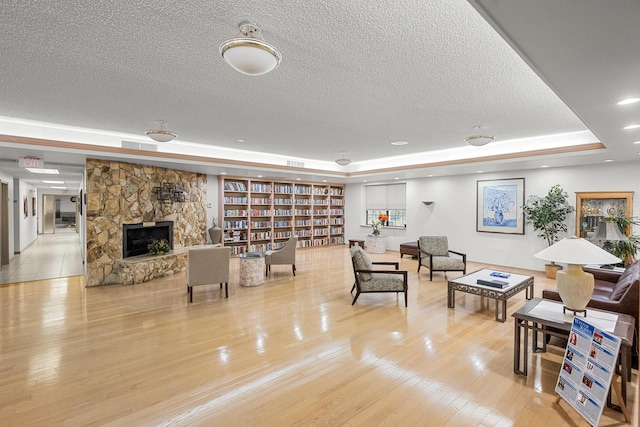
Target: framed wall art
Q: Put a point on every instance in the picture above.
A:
(499, 206)
(33, 206)
(25, 206)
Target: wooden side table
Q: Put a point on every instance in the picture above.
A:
(251, 269)
(353, 242)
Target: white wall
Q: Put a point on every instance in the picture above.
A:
(25, 228)
(453, 212)
(8, 179)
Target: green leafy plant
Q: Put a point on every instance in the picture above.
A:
(548, 214)
(159, 247)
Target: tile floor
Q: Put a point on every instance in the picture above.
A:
(50, 256)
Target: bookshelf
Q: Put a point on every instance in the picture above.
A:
(260, 215)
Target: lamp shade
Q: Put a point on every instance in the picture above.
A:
(574, 250)
(608, 231)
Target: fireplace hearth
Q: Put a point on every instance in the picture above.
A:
(136, 237)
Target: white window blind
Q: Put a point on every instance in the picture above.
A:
(386, 197)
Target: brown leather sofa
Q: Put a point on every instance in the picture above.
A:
(613, 291)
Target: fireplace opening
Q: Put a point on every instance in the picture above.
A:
(136, 237)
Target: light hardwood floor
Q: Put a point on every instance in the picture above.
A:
(293, 352)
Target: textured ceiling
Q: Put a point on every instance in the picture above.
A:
(354, 77)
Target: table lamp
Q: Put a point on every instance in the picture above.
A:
(575, 286)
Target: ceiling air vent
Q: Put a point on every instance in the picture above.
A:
(139, 146)
(295, 164)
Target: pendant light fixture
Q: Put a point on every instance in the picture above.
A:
(479, 138)
(160, 135)
(343, 161)
(248, 53)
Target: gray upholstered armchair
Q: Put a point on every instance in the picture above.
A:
(206, 266)
(282, 256)
(433, 253)
(370, 280)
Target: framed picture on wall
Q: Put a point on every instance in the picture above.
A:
(25, 206)
(33, 206)
(499, 206)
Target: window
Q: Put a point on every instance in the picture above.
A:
(389, 199)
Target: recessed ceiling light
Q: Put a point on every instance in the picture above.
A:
(631, 127)
(399, 142)
(608, 160)
(53, 182)
(297, 179)
(240, 140)
(364, 180)
(480, 171)
(59, 188)
(44, 171)
(430, 175)
(629, 101)
(324, 180)
(259, 176)
(544, 166)
(396, 177)
(636, 142)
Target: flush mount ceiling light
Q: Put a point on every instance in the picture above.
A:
(248, 53)
(479, 138)
(343, 161)
(160, 135)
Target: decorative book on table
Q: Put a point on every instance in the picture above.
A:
(493, 283)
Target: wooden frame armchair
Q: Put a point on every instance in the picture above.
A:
(433, 253)
(369, 280)
(206, 266)
(282, 256)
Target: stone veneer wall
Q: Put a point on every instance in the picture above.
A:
(122, 193)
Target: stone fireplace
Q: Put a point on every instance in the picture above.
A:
(120, 194)
(136, 237)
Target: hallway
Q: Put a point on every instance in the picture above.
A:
(50, 256)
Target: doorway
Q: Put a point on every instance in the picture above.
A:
(48, 214)
(4, 224)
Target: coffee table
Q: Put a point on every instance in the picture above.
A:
(469, 284)
(546, 316)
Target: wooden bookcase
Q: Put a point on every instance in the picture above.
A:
(259, 215)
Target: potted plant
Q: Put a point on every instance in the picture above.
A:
(159, 247)
(547, 215)
(377, 225)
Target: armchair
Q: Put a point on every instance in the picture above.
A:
(370, 280)
(282, 256)
(206, 266)
(433, 253)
